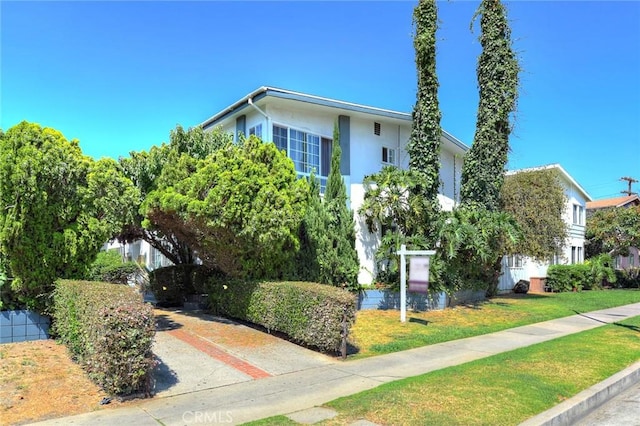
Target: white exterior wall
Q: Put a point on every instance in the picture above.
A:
(141, 252)
(365, 153)
(575, 238)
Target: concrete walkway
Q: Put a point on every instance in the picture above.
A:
(322, 379)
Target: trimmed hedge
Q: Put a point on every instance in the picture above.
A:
(309, 313)
(172, 284)
(567, 277)
(109, 330)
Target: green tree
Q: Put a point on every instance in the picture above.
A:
(339, 264)
(240, 210)
(58, 208)
(536, 200)
(313, 235)
(497, 71)
(424, 144)
(390, 207)
(613, 231)
(472, 244)
(161, 167)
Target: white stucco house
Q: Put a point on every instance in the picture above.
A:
(518, 267)
(370, 137)
(139, 251)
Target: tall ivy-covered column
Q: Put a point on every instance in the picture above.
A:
(424, 145)
(497, 70)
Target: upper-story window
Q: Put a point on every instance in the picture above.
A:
(256, 130)
(578, 214)
(388, 156)
(309, 152)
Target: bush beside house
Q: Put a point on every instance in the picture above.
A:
(109, 331)
(593, 274)
(311, 314)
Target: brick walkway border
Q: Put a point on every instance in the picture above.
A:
(210, 349)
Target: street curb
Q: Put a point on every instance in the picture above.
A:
(573, 409)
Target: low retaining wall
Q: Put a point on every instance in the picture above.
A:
(22, 326)
(385, 299)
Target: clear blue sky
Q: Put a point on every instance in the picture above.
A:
(119, 76)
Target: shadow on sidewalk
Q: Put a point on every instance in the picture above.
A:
(163, 377)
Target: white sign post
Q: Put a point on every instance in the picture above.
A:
(419, 274)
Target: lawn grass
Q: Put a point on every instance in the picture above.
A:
(504, 389)
(378, 332)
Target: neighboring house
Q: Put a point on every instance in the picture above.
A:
(518, 267)
(370, 138)
(633, 259)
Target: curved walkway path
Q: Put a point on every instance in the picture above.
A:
(248, 375)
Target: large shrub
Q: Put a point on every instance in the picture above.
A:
(569, 277)
(628, 278)
(109, 331)
(309, 313)
(109, 267)
(172, 284)
(58, 207)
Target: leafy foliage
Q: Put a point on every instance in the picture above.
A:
(309, 313)
(58, 208)
(160, 168)
(472, 243)
(109, 267)
(584, 276)
(391, 207)
(312, 235)
(339, 263)
(240, 210)
(109, 331)
(613, 231)
(172, 284)
(537, 202)
(424, 144)
(497, 70)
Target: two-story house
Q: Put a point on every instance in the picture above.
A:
(370, 138)
(518, 267)
(633, 259)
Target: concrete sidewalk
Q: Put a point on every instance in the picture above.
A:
(296, 391)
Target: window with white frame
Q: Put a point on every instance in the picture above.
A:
(309, 152)
(388, 156)
(578, 214)
(256, 130)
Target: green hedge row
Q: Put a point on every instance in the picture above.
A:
(109, 330)
(592, 274)
(567, 277)
(309, 313)
(172, 284)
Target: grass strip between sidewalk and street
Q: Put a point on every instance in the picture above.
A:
(503, 389)
(379, 332)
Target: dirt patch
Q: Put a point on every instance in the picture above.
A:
(40, 381)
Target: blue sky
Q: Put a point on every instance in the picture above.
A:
(119, 76)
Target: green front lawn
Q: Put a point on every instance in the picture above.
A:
(378, 332)
(504, 389)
